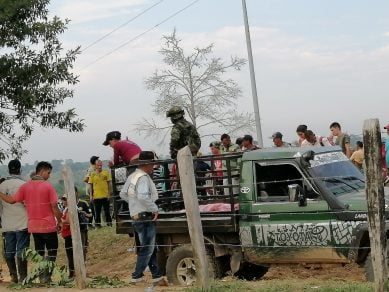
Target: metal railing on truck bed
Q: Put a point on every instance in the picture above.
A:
(217, 191)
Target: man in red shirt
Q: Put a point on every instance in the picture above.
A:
(44, 217)
(124, 151)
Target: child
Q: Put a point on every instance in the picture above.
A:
(67, 236)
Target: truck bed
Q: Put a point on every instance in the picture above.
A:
(176, 222)
(172, 215)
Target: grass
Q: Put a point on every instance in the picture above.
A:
(288, 285)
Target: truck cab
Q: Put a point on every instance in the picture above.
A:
(300, 205)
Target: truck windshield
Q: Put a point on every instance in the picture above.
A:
(338, 174)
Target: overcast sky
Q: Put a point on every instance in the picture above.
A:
(315, 61)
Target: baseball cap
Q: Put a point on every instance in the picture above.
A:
(146, 156)
(386, 127)
(93, 159)
(110, 136)
(14, 166)
(277, 135)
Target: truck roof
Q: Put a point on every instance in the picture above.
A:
(284, 152)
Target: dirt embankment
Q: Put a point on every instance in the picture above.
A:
(349, 272)
(114, 259)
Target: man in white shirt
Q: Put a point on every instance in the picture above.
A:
(142, 195)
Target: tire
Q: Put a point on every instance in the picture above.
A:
(181, 269)
(368, 264)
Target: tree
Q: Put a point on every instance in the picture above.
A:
(196, 83)
(34, 74)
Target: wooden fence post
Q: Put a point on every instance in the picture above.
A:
(375, 201)
(188, 185)
(78, 253)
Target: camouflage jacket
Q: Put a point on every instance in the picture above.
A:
(183, 134)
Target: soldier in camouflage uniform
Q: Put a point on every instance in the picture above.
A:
(183, 133)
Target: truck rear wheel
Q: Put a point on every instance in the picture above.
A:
(251, 272)
(181, 268)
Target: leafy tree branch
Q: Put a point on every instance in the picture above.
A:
(35, 74)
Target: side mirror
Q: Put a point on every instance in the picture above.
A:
(293, 192)
(296, 193)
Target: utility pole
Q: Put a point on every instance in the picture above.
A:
(252, 76)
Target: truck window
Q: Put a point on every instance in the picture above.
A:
(273, 180)
(337, 173)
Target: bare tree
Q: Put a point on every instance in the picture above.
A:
(195, 82)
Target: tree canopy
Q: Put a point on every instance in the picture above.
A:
(35, 76)
(196, 82)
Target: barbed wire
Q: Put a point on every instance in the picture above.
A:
(302, 180)
(254, 214)
(217, 244)
(232, 214)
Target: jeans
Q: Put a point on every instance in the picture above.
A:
(92, 208)
(69, 253)
(46, 241)
(49, 242)
(147, 251)
(102, 203)
(15, 242)
(69, 250)
(84, 241)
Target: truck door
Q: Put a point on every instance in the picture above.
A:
(277, 229)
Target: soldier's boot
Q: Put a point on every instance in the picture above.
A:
(12, 270)
(22, 269)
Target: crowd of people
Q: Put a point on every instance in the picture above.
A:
(307, 138)
(32, 208)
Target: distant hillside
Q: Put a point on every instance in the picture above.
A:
(354, 139)
(78, 169)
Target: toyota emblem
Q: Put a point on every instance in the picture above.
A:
(244, 190)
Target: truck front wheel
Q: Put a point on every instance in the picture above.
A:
(368, 264)
(181, 268)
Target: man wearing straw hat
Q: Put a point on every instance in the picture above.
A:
(142, 195)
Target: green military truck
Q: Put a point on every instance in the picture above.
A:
(294, 205)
